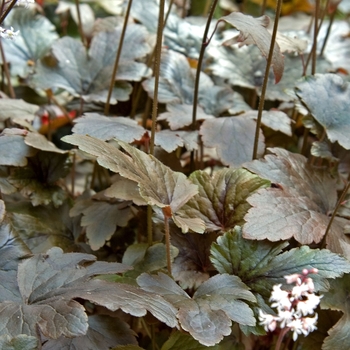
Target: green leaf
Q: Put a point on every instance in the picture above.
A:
(176, 86)
(20, 342)
(233, 138)
(159, 185)
(49, 284)
(107, 128)
(254, 30)
(89, 76)
(262, 264)
(35, 38)
(207, 316)
(327, 98)
(103, 333)
(222, 199)
(337, 298)
(101, 219)
(299, 204)
(40, 142)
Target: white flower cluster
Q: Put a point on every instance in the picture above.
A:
(293, 306)
(8, 33)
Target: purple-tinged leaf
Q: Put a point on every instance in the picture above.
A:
(299, 204)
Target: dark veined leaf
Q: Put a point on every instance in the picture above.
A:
(254, 29)
(37, 181)
(262, 264)
(44, 227)
(180, 340)
(299, 205)
(327, 97)
(103, 333)
(176, 85)
(36, 35)
(145, 258)
(49, 283)
(208, 315)
(101, 219)
(107, 128)
(337, 298)
(192, 266)
(222, 199)
(158, 184)
(233, 138)
(20, 342)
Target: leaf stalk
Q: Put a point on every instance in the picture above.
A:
(117, 58)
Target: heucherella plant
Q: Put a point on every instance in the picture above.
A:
(293, 307)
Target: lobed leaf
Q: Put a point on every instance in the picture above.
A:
(49, 283)
(207, 316)
(299, 205)
(254, 29)
(107, 128)
(222, 199)
(233, 138)
(158, 184)
(20, 342)
(327, 98)
(263, 264)
(337, 298)
(36, 35)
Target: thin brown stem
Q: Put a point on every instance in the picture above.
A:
(135, 101)
(314, 46)
(117, 58)
(198, 72)
(149, 225)
(283, 332)
(7, 11)
(80, 25)
(157, 59)
(263, 7)
(7, 72)
(167, 243)
(340, 201)
(331, 20)
(266, 78)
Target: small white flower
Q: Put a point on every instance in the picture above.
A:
(299, 291)
(8, 33)
(309, 324)
(285, 317)
(268, 321)
(295, 278)
(297, 327)
(278, 294)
